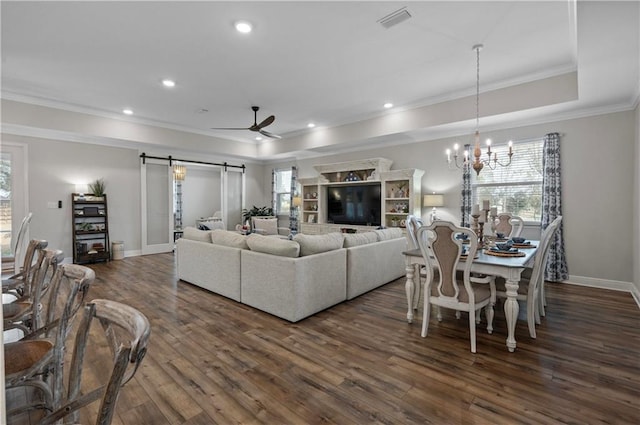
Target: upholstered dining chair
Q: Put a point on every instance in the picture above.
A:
(413, 223)
(529, 289)
(17, 283)
(24, 313)
(542, 299)
(126, 331)
(36, 361)
(442, 251)
(12, 263)
(508, 224)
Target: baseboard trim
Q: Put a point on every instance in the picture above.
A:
(614, 285)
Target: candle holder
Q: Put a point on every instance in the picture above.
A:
(474, 225)
(481, 234)
(493, 224)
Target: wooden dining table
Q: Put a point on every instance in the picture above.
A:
(510, 268)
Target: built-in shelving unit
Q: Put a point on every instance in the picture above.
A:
(90, 228)
(400, 189)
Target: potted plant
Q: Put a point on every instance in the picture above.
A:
(97, 188)
(255, 212)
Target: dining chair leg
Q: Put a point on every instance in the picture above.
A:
(472, 331)
(425, 317)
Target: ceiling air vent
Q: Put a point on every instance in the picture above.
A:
(395, 18)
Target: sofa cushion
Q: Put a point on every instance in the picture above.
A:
(356, 239)
(228, 238)
(388, 234)
(265, 226)
(273, 245)
(194, 234)
(314, 244)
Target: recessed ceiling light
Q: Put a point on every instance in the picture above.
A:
(127, 111)
(243, 27)
(258, 138)
(168, 83)
(311, 125)
(388, 105)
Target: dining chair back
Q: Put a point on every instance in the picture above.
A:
(529, 289)
(18, 283)
(508, 224)
(17, 247)
(126, 331)
(24, 312)
(442, 251)
(551, 231)
(413, 223)
(37, 360)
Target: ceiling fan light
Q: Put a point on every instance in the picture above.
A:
(127, 111)
(311, 125)
(243, 27)
(388, 105)
(168, 83)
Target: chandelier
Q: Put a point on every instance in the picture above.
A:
(478, 162)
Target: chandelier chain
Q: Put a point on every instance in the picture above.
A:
(477, 88)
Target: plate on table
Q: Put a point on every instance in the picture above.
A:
(513, 252)
(523, 245)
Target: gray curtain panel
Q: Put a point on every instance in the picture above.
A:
(556, 269)
(465, 208)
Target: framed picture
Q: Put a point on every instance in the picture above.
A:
(90, 210)
(311, 219)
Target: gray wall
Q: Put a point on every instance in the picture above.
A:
(598, 183)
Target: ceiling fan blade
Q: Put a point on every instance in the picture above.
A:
(267, 121)
(230, 128)
(266, 133)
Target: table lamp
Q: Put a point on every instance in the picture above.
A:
(433, 200)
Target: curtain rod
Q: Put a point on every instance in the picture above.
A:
(169, 158)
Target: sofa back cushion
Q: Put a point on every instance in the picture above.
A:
(274, 246)
(388, 234)
(356, 239)
(314, 244)
(194, 234)
(228, 238)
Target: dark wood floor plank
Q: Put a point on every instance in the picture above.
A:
(212, 360)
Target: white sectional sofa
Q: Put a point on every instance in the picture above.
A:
(291, 279)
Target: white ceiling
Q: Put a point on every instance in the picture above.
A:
(330, 63)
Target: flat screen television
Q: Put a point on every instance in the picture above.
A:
(357, 204)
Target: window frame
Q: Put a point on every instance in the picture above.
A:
(276, 194)
(475, 185)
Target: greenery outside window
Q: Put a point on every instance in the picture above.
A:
(282, 191)
(515, 189)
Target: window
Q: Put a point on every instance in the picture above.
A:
(516, 189)
(282, 191)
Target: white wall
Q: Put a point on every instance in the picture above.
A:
(201, 194)
(598, 182)
(55, 168)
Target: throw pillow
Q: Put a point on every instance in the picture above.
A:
(355, 239)
(315, 244)
(388, 234)
(265, 226)
(274, 246)
(230, 239)
(196, 235)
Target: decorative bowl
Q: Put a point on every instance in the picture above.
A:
(503, 246)
(518, 240)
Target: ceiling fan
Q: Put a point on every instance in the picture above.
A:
(256, 127)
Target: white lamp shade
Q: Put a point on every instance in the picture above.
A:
(82, 188)
(433, 200)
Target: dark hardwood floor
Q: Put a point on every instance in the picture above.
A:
(214, 361)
